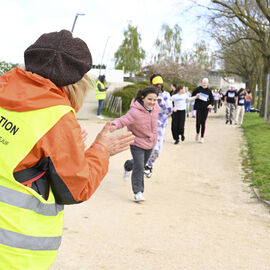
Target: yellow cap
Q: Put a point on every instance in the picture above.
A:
(157, 80)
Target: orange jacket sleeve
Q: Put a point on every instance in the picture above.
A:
(81, 171)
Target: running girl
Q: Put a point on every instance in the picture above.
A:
(165, 106)
(141, 120)
(202, 105)
(180, 100)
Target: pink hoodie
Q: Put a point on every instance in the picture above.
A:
(142, 123)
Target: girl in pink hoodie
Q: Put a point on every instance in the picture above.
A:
(141, 120)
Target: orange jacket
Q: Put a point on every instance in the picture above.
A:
(81, 171)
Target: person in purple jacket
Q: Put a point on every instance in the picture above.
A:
(141, 120)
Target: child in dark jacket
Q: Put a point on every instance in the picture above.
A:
(202, 106)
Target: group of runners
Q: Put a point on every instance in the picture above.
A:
(237, 102)
(148, 116)
(147, 119)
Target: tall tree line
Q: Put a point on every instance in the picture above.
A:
(242, 29)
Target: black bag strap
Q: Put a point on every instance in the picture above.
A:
(30, 175)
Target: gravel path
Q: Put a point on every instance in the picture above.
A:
(198, 213)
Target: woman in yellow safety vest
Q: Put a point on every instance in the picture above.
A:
(100, 93)
(43, 161)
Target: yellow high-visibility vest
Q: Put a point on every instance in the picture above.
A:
(30, 226)
(100, 94)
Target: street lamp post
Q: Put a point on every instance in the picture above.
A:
(77, 14)
(103, 53)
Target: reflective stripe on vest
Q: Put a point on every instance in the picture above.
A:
(22, 200)
(30, 226)
(18, 240)
(100, 94)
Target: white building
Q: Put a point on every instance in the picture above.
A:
(218, 81)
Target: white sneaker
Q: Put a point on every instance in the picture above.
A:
(138, 197)
(197, 137)
(201, 140)
(148, 171)
(126, 175)
(100, 117)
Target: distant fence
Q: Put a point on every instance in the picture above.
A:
(113, 104)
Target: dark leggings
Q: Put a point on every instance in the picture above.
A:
(178, 124)
(201, 116)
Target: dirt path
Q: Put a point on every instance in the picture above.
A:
(198, 213)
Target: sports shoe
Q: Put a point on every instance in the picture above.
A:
(182, 138)
(100, 117)
(176, 142)
(227, 121)
(201, 140)
(126, 175)
(138, 197)
(148, 171)
(197, 137)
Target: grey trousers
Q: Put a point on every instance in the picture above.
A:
(230, 109)
(140, 157)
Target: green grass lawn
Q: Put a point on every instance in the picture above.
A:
(257, 161)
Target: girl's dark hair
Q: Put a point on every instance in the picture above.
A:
(146, 91)
(153, 76)
(241, 90)
(174, 85)
(178, 88)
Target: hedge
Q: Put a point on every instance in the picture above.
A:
(129, 92)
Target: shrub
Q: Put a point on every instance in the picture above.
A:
(128, 93)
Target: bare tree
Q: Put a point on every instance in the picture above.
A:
(251, 14)
(175, 72)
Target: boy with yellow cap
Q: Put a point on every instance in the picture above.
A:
(166, 108)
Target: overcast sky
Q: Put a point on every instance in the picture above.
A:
(23, 21)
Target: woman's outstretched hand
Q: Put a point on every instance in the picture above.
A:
(114, 143)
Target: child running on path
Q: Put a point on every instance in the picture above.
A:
(240, 109)
(165, 105)
(141, 120)
(180, 100)
(230, 101)
(202, 106)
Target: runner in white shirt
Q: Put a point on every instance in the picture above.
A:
(179, 100)
(217, 97)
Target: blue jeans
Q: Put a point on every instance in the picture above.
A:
(247, 106)
(100, 102)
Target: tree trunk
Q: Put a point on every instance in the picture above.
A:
(252, 88)
(266, 71)
(264, 83)
(260, 92)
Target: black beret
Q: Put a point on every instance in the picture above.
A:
(58, 57)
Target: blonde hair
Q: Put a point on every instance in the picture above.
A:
(77, 91)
